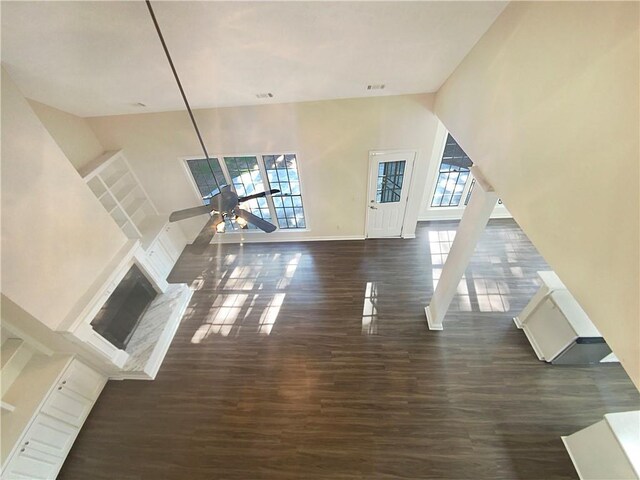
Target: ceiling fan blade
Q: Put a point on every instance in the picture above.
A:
(257, 221)
(258, 195)
(208, 231)
(189, 212)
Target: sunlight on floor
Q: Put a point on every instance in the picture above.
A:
(492, 295)
(440, 242)
(242, 301)
(270, 314)
(290, 271)
(370, 310)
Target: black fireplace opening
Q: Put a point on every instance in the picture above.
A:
(119, 316)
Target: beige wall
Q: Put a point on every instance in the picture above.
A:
(331, 138)
(547, 104)
(56, 237)
(72, 134)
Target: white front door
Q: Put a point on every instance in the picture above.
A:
(389, 181)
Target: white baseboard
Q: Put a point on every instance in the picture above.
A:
(449, 214)
(409, 236)
(274, 237)
(516, 320)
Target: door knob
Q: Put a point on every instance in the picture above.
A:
(372, 207)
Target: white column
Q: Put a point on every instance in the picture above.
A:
(474, 220)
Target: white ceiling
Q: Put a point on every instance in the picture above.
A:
(101, 58)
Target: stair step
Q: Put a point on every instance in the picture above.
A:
(14, 356)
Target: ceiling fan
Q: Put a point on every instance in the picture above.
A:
(226, 203)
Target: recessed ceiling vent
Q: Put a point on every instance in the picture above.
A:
(264, 95)
(376, 86)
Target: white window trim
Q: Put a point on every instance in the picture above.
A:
(263, 172)
(429, 213)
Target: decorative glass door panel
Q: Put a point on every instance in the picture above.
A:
(390, 179)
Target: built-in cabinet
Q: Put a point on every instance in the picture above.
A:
(165, 250)
(120, 192)
(113, 182)
(43, 450)
(46, 396)
(53, 396)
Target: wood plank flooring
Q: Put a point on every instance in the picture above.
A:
(313, 361)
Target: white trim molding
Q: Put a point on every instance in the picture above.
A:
(278, 236)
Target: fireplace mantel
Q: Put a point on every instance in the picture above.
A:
(141, 359)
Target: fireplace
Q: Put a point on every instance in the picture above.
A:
(119, 316)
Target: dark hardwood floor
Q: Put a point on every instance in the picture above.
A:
(314, 361)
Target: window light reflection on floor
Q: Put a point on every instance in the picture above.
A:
(245, 299)
(290, 270)
(370, 310)
(440, 242)
(242, 278)
(222, 315)
(492, 295)
(270, 314)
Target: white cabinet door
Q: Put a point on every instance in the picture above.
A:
(42, 451)
(171, 241)
(160, 259)
(68, 406)
(32, 465)
(83, 380)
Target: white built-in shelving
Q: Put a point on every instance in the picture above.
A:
(120, 192)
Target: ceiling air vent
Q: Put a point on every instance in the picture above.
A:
(264, 95)
(375, 86)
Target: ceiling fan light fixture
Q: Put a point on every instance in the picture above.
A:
(242, 222)
(220, 227)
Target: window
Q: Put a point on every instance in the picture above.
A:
(389, 184)
(282, 172)
(453, 175)
(247, 180)
(207, 175)
(254, 174)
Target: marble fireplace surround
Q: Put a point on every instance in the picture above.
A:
(152, 336)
